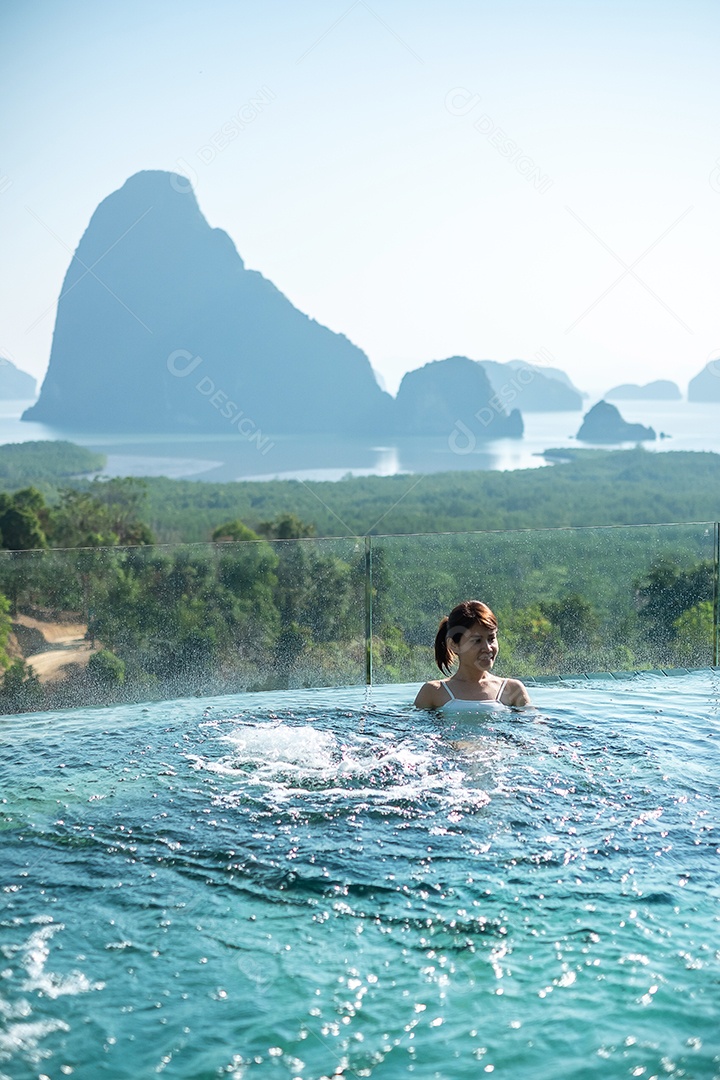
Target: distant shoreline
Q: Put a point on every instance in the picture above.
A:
(228, 457)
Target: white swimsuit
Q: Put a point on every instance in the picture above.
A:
(464, 704)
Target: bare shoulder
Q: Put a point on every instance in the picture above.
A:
(515, 694)
(431, 695)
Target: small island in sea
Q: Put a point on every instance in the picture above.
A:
(15, 384)
(444, 395)
(604, 424)
(659, 390)
(533, 388)
(706, 384)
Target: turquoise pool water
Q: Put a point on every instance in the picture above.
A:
(328, 883)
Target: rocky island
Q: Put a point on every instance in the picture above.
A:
(659, 390)
(453, 395)
(532, 388)
(15, 385)
(604, 424)
(171, 332)
(706, 385)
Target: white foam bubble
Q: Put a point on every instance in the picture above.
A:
(34, 954)
(21, 1038)
(288, 760)
(291, 744)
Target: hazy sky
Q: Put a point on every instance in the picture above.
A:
(498, 180)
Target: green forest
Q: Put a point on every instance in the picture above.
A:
(596, 487)
(187, 587)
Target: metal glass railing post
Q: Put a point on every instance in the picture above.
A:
(716, 594)
(368, 611)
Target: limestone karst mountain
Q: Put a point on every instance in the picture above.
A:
(706, 384)
(604, 424)
(453, 396)
(160, 327)
(532, 388)
(15, 385)
(659, 390)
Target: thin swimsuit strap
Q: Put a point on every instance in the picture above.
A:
(497, 696)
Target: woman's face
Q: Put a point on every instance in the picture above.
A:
(477, 648)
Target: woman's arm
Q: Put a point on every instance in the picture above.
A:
(427, 697)
(516, 694)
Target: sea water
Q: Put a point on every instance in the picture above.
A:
(226, 456)
(330, 883)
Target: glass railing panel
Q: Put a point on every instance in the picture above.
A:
(95, 626)
(568, 600)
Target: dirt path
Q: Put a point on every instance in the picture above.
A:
(57, 633)
(66, 645)
(48, 666)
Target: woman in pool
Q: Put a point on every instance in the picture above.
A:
(469, 635)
